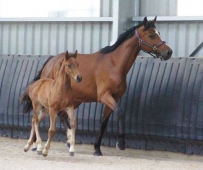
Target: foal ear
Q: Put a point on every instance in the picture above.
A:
(67, 55)
(75, 54)
(154, 20)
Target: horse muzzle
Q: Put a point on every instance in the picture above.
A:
(166, 54)
(78, 79)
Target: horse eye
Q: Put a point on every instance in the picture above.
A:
(152, 36)
(69, 66)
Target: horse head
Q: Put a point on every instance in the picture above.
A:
(150, 40)
(71, 66)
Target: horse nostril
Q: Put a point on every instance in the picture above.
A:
(169, 53)
(79, 78)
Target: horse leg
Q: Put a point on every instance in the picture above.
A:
(51, 132)
(71, 130)
(32, 135)
(64, 119)
(110, 103)
(41, 116)
(104, 122)
(36, 107)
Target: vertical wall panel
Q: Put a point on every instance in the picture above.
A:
(45, 39)
(106, 8)
(96, 36)
(13, 40)
(50, 38)
(87, 34)
(36, 39)
(158, 7)
(61, 34)
(53, 38)
(5, 38)
(78, 38)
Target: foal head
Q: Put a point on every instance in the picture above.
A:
(150, 40)
(71, 66)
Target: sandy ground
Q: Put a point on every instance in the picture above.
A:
(12, 157)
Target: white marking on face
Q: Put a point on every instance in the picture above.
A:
(156, 32)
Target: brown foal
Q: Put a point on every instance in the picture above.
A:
(51, 96)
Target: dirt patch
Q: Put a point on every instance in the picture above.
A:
(12, 157)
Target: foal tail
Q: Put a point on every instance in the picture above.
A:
(25, 98)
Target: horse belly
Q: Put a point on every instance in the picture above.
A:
(84, 93)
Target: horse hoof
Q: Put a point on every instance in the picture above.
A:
(71, 153)
(39, 152)
(68, 144)
(25, 150)
(97, 154)
(120, 146)
(34, 149)
(45, 153)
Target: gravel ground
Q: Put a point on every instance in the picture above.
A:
(12, 157)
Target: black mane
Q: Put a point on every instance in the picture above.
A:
(124, 36)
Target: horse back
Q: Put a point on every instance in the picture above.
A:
(39, 91)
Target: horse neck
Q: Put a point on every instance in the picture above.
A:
(63, 79)
(125, 55)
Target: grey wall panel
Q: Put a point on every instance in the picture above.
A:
(50, 38)
(106, 7)
(158, 7)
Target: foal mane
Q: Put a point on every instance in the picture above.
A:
(125, 36)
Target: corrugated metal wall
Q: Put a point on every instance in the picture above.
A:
(53, 37)
(158, 7)
(50, 38)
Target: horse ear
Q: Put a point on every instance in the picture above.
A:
(154, 20)
(67, 55)
(76, 53)
(145, 21)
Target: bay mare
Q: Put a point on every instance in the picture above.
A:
(51, 96)
(104, 73)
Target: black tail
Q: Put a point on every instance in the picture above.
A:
(25, 96)
(28, 102)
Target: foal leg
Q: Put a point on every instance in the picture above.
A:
(52, 131)
(34, 130)
(71, 131)
(32, 135)
(64, 119)
(41, 116)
